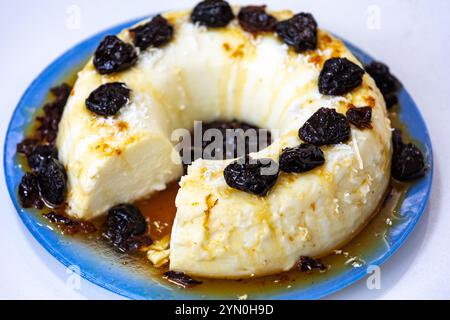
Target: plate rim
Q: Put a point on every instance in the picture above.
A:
(47, 245)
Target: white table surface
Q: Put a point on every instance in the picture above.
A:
(412, 37)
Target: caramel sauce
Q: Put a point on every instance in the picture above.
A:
(159, 211)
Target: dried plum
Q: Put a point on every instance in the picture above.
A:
(49, 122)
(114, 55)
(39, 154)
(180, 279)
(408, 162)
(360, 117)
(339, 76)
(391, 100)
(125, 227)
(29, 192)
(70, 226)
(239, 139)
(256, 176)
(51, 180)
(254, 19)
(61, 92)
(108, 99)
(155, 33)
(212, 13)
(299, 32)
(302, 158)
(236, 140)
(306, 264)
(27, 146)
(386, 81)
(325, 127)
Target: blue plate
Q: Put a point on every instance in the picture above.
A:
(111, 273)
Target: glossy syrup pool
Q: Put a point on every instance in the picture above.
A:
(160, 211)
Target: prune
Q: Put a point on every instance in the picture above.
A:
(254, 19)
(27, 146)
(125, 227)
(155, 33)
(51, 179)
(180, 279)
(70, 226)
(49, 122)
(339, 76)
(39, 154)
(239, 139)
(256, 176)
(212, 13)
(108, 99)
(242, 139)
(360, 117)
(306, 264)
(302, 158)
(61, 93)
(386, 82)
(29, 192)
(325, 127)
(408, 162)
(299, 32)
(114, 55)
(391, 100)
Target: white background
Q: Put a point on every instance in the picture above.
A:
(412, 38)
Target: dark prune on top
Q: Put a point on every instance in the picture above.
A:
(306, 264)
(125, 226)
(302, 158)
(49, 122)
(325, 127)
(114, 55)
(256, 176)
(29, 192)
(51, 180)
(181, 279)
(39, 154)
(408, 162)
(212, 13)
(70, 226)
(360, 117)
(339, 76)
(155, 33)
(254, 19)
(299, 32)
(386, 81)
(108, 99)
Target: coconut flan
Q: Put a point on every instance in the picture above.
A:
(227, 73)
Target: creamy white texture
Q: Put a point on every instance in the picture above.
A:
(227, 74)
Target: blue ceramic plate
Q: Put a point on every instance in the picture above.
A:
(111, 273)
